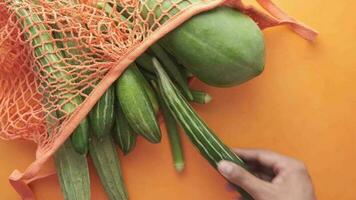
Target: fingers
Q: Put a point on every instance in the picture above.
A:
(264, 176)
(239, 176)
(266, 158)
(260, 171)
(277, 163)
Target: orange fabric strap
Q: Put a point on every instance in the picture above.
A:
(277, 17)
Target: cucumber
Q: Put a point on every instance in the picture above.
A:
(222, 47)
(123, 134)
(106, 162)
(136, 104)
(204, 139)
(101, 117)
(73, 173)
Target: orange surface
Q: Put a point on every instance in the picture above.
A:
(302, 105)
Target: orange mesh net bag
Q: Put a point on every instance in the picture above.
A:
(62, 54)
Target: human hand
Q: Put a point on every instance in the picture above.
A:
(276, 177)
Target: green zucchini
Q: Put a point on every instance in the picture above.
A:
(136, 104)
(101, 117)
(222, 47)
(106, 162)
(73, 173)
(124, 135)
(204, 139)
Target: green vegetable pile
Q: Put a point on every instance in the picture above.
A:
(221, 47)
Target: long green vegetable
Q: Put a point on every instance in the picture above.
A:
(102, 115)
(148, 75)
(135, 95)
(145, 61)
(150, 93)
(73, 173)
(172, 69)
(106, 161)
(123, 134)
(208, 144)
(136, 104)
(72, 167)
(173, 135)
(53, 63)
(101, 148)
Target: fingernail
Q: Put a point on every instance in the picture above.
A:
(225, 168)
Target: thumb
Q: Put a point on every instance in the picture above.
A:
(241, 177)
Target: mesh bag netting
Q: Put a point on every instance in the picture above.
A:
(56, 54)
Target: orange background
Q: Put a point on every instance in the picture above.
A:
(303, 105)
